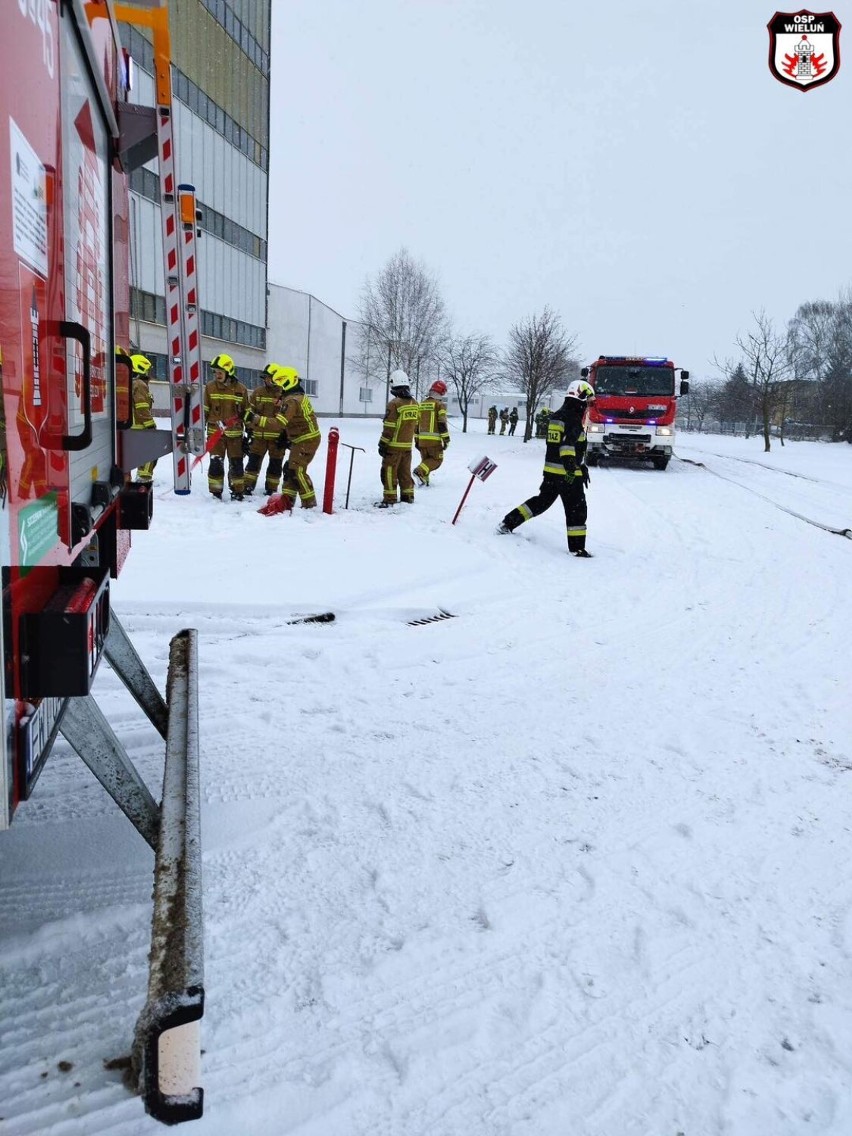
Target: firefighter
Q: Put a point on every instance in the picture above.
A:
(298, 429)
(504, 419)
(541, 420)
(513, 419)
(225, 402)
(565, 472)
(401, 423)
(492, 418)
(264, 401)
(143, 401)
(433, 434)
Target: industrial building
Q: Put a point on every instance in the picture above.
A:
(220, 75)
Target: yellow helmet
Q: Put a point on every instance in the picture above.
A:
(141, 364)
(269, 370)
(287, 378)
(224, 363)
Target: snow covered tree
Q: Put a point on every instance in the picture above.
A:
(468, 363)
(403, 319)
(539, 359)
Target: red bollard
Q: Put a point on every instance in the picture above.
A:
(330, 470)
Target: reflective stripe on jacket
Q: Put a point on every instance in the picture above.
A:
(143, 400)
(266, 403)
(296, 415)
(433, 421)
(566, 446)
(224, 401)
(400, 425)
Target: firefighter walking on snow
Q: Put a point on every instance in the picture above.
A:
(225, 402)
(401, 422)
(433, 433)
(143, 401)
(492, 418)
(565, 472)
(264, 402)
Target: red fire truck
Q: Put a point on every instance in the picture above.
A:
(67, 505)
(633, 415)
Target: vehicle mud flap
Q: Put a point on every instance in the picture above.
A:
(166, 1049)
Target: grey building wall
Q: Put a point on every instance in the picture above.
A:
(307, 334)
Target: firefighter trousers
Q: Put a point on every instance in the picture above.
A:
(233, 447)
(431, 458)
(258, 449)
(573, 498)
(396, 475)
(297, 482)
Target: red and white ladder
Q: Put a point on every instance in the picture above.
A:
(179, 219)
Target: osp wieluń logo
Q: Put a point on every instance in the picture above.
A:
(804, 48)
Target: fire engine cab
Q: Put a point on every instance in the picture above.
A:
(633, 415)
(67, 504)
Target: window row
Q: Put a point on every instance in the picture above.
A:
(152, 309)
(160, 370)
(147, 184)
(198, 101)
(223, 14)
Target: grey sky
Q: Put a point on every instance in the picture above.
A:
(635, 167)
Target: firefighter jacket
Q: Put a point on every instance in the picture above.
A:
(565, 452)
(297, 417)
(143, 400)
(432, 425)
(402, 419)
(264, 403)
(225, 403)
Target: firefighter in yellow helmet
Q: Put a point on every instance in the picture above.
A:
(296, 422)
(264, 402)
(401, 423)
(225, 402)
(433, 433)
(141, 367)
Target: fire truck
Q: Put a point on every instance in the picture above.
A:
(633, 415)
(68, 506)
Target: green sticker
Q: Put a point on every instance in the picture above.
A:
(37, 529)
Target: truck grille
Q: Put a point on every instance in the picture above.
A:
(627, 439)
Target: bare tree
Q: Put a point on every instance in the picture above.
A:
(702, 401)
(538, 359)
(768, 365)
(403, 317)
(469, 363)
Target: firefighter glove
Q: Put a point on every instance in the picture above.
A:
(383, 449)
(281, 440)
(586, 477)
(445, 442)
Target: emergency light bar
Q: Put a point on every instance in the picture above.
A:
(646, 360)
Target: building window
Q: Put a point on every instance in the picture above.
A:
(310, 386)
(365, 394)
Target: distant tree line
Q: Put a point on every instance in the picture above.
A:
(794, 382)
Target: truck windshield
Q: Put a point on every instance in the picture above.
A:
(634, 380)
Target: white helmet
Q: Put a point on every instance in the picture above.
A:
(398, 379)
(581, 390)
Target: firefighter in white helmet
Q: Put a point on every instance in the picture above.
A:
(565, 472)
(400, 424)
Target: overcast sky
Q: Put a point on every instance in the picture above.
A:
(634, 166)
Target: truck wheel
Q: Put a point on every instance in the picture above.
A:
(591, 459)
(660, 463)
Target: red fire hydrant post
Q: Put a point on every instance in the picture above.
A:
(330, 470)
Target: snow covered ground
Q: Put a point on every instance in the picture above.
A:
(573, 863)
